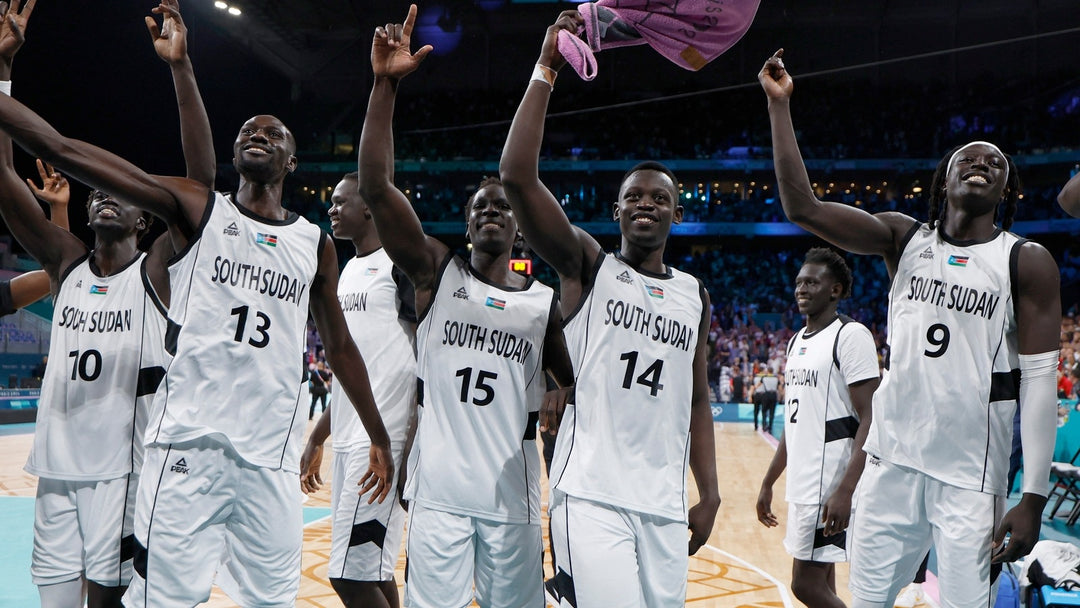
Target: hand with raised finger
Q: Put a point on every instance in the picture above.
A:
(13, 28)
(54, 189)
(170, 38)
(774, 78)
(390, 53)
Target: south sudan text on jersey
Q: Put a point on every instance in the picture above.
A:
(801, 377)
(953, 296)
(659, 329)
(493, 341)
(265, 281)
(353, 302)
(98, 321)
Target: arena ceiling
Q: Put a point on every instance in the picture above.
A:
(321, 46)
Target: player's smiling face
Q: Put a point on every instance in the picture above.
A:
(492, 226)
(979, 170)
(815, 289)
(349, 214)
(648, 205)
(264, 148)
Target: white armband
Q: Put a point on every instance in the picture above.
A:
(1038, 418)
(5, 87)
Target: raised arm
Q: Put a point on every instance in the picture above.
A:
(1038, 314)
(342, 354)
(399, 228)
(170, 43)
(842, 225)
(541, 219)
(702, 444)
(50, 245)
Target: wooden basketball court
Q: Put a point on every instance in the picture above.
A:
(743, 566)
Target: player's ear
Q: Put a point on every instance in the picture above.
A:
(615, 211)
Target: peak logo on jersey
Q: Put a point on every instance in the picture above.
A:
(180, 467)
(625, 278)
(461, 294)
(927, 255)
(371, 272)
(79, 284)
(232, 230)
(958, 260)
(99, 290)
(655, 292)
(495, 303)
(269, 240)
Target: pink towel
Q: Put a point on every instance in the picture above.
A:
(689, 32)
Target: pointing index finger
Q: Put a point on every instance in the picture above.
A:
(410, 20)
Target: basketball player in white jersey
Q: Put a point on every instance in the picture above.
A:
(108, 356)
(378, 301)
(971, 307)
(636, 330)
(224, 436)
(830, 377)
(485, 337)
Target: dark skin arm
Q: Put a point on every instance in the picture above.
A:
(402, 235)
(765, 495)
(1038, 314)
(170, 43)
(836, 513)
(342, 354)
(311, 459)
(557, 363)
(29, 288)
(847, 227)
(53, 247)
(1069, 197)
(702, 516)
(176, 200)
(570, 250)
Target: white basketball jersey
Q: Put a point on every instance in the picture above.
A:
(480, 348)
(626, 440)
(370, 299)
(945, 406)
(106, 360)
(820, 420)
(240, 298)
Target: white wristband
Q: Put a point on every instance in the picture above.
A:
(5, 87)
(544, 74)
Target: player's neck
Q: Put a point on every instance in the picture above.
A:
(649, 260)
(962, 225)
(495, 268)
(262, 199)
(367, 243)
(111, 256)
(818, 322)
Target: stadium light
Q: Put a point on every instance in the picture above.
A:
(221, 5)
(234, 11)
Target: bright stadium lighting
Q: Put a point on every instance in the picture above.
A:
(221, 5)
(234, 11)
